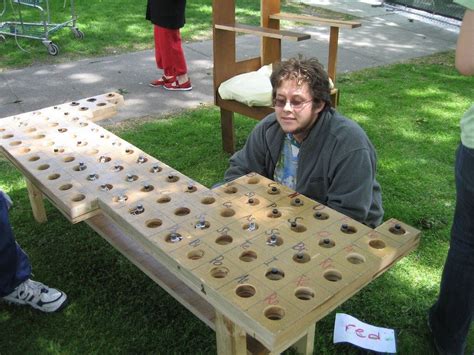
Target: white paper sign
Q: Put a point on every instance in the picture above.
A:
(351, 330)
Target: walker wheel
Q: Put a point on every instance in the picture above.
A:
(53, 49)
(77, 33)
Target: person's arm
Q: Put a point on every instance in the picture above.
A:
(353, 186)
(465, 45)
(251, 158)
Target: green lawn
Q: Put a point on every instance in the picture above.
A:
(117, 26)
(410, 111)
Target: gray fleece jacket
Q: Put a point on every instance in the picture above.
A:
(336, 166)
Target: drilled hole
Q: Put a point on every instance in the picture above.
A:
(131, 177)
(355, 258)
(25, 150)
(106, 187)
(248, 256)
(253, 180)
(227, 212)
(245, 291)
(104, 159)
(224, 239)
(298, 228)
(120, 198)
(164, 199)
(275, 213)
(43, 167)
(301, 258)
(219, 272)
(208, 200)
(321, 215)
(397, 229)
(274, 240)
(250, 226)
(65, 187)
(304, 293)
(333, 275)
(78, 198)
(274, 274)
(182, 211)
(196, 254)
(174, 237)
(230, 190)
(154, 223)
(15, 143)
(297, 202)
(53, 176)
(68, 159)
(345, 228)
(274, 313)
(34, 158)
(172, 178)
(377, 244)
(147, 188)
(326, 243)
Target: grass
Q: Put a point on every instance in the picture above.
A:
(410, 111)
(117, 26)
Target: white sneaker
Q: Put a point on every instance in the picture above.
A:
(38, 296)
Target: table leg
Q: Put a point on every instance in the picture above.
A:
(306, 344)
(230, 338)
(36, 201)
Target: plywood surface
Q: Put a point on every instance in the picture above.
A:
(267, 258)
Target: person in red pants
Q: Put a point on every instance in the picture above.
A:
(168, 16)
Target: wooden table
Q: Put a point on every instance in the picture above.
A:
(255, 261)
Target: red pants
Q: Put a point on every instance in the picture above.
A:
(169, 52)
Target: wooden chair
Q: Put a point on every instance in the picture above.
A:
(226, 65)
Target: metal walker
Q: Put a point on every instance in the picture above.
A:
(37, 30)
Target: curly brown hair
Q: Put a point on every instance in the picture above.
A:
(303, 70)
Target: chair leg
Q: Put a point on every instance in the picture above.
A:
(227, 128)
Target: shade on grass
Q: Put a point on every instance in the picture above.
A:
(115, 26)
(411, 113)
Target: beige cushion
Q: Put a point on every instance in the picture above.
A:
(252, 88)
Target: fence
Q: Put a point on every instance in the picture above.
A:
(445, 8)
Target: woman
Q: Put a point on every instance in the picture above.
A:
(168, 16)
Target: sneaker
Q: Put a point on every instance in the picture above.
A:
(176, 86)
(160, 82)
(38, 296)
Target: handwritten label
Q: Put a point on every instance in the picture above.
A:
(348, 329)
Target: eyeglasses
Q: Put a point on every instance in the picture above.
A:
(294, 104)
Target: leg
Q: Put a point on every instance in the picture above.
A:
(14, 264)
(158, 49)
(306, 344)
(452, 314)
(36, 201)
(231, 339)
(174, 63)
(227, 128)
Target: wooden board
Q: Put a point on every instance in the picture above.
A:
(270, 260)
(58, 147)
